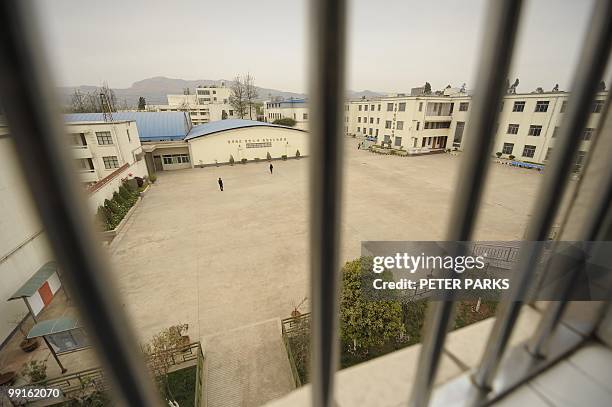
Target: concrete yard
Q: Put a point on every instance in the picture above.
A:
(220, 261)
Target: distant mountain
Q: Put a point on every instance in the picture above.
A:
(154, 90)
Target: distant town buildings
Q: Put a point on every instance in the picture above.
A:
(296, 109)
(208, 104)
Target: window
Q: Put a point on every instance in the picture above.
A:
(418, 124)
(437, 125)
(364, 130)
(420, 106)
(541, 106)
(563, 106)
(372, 107)
(379, 107)
(463, 106)
(402, 107)
(529, 151)
(104, 138)
(388, 124)
(398, 141)
(507, 149)
(376, 132)
(389, 107)
(370, 131)
(371, 120)
(597, 106)
(167, 159)
(387, 138)
(360, 108)
(365, 108)
(534, 130)
(378, 120)
(128, 135)
(231, 112)
(305, 116)
(399, 125)
(110, 162)
(518, 107)
(512, 129)
(358, 129)
(580, 158)
(587, 133)
(359, 119)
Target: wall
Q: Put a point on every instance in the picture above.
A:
(23, 245)
(97, 195)
(218, 147)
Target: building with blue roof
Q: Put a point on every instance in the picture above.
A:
(152, 126)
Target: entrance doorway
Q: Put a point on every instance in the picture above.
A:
(158, 163)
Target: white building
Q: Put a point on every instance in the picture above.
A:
(23, 245)
(296, 109)
(101, 148)
(422, 124)
(209, 103)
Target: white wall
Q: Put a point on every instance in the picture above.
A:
(23, 248)
(96, 197)
(218, 147)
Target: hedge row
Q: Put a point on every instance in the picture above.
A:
(115, 209)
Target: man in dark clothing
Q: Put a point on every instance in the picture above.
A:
(220, 181)
(271, 168)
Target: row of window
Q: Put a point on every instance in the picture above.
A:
(518, 106)
(105, 138)
(175, 158)
(529, 152)
(536, 130)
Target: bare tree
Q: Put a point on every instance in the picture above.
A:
(237, 97)
(77, 103)
(110, 96)
(250, 93)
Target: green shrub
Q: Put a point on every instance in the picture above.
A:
(498, 154)
(231, 160)
(35, 370)
(285, 121)
(297, 154)
(511, 157)
(244, 161)
(268, 156)
(120, 200)
(153, 178)
(284, 156)
(104, 216)
(127, 195)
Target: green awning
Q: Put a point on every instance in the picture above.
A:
(53, 326)
(36, 281)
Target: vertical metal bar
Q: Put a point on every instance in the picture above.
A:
(37, 130)
(62, 368)
(502, 21)
(327, 21)
(592, 62)
(599, 206)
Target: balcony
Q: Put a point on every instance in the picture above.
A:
(79, 152)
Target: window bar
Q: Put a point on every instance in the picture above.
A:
(593, 61)
(38, 133)
(327, 52)
(590, 231)
(498, 43)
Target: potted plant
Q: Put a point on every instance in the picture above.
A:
(268, 156)
(498, 154)
(231, 160)
(284, 157)
(244, 161)
(511, 157)
(35, 371)
(297, 154)
(26, 345)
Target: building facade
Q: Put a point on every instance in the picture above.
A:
(296, 109)
(528, 123)
(209, 103)
(101, 148)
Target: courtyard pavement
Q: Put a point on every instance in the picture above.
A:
(225, 261)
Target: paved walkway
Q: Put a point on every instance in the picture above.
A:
(247, 366)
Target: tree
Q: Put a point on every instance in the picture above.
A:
(285, 121)
(514, 86)
(366, 324)
(427, 89)
(223, 115)
(77, 102)
(238, 97)
(110, 96)
(142, 103)
(250, 93)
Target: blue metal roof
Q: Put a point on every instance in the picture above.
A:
(229, 124)
(152, 126)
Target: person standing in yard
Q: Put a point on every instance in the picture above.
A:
(271, 168)
(220, 181)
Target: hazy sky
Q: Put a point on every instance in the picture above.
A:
(393, 45)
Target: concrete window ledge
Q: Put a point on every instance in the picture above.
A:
(387, 380)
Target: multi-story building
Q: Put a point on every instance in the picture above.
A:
(296, 109)
(528, 123)
(101, 148)
(208, 104)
